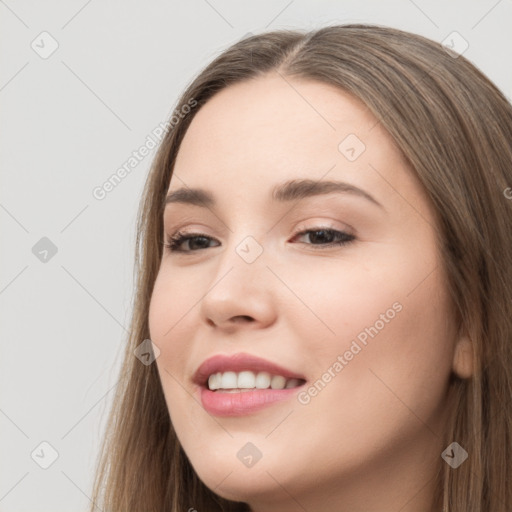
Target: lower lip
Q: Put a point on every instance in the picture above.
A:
(220, 403)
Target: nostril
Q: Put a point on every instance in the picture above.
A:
(242, 318)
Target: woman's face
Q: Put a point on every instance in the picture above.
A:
(367, 324)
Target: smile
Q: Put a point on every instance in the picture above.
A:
(243, 381)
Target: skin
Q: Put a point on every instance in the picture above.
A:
(372, 439)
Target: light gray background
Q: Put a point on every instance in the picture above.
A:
(67, 123)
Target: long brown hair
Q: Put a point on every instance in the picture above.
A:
(455, 129)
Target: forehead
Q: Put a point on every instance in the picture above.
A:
(289, 117)
(256, 133)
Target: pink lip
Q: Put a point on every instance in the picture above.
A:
(237, 363)
(221, 403)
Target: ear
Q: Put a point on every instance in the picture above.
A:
(463, 359)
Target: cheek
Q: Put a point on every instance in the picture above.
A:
(172, 301)
(170, 322)
(171, 310)
(396, 357)
(336, 300)
(389, 324)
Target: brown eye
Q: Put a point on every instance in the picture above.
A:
(196, 241)
(318, 237)
(326, 237)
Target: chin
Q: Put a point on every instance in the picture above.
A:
(242, 484)
(244, 489)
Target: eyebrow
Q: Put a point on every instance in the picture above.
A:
(288, 191)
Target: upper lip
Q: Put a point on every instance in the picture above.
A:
(237, 363)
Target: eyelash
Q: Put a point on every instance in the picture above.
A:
(174, 241)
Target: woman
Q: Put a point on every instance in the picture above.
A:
(324, 271)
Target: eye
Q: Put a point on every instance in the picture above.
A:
(330, 237)
(174, 243)
(321, 237)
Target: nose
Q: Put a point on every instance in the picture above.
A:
(241, 295)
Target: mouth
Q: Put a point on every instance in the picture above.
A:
(240, 384)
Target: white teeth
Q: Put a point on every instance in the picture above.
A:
(277, 382)
(263, 380)
(229, 380)
(246, 380)
(214, 381)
